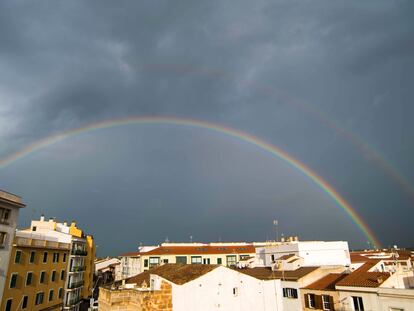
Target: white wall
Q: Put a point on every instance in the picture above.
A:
(6, 250)
(314, 253)
(214, 291)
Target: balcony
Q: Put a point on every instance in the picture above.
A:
(72, 302)
(75, 284)
(38, 241)
(79, 252)
(78, 269)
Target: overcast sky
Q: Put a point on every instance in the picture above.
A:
(329, 82)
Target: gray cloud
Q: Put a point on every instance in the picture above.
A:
(245, 65)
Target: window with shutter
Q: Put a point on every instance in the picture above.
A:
(318, 302)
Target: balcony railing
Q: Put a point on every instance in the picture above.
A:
(72, 302)
(75, 284)
(78, 269)
(79, 252)
(36, 242)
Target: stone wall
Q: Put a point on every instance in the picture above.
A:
(135, 299)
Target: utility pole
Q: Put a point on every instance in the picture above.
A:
(275, 225)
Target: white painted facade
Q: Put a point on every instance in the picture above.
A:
(129, 266)
(381, 299)
(227, 290)
(10, 205)
(313, 253)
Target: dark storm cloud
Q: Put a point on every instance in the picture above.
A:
(243, 64)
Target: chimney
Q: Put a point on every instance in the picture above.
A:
(42, 217)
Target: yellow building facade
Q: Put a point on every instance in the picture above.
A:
(36, 275)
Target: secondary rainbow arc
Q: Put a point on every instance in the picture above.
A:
(276, 151)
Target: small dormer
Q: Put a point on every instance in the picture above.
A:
(287, 262)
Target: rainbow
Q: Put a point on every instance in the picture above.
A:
(279, 153)
(367, 150)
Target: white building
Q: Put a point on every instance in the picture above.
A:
(10, 205)
(369, 288)
(313, 253)
(181, 287)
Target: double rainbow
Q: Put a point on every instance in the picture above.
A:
(279, 153)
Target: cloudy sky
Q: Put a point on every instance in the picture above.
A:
(329, 82)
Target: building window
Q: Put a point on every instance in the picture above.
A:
(310, 301)
(62, 274)
(29, 278)
(4, 216)
(25, 301)
(53, 276)
(13, 280)
(235, 291)
(42, 277)
(358, 304)
(326, 302)
(231, 260)
(34, 228)
(290, 293)
(64, 257)
(60, 293)
(44, 257)
(18, 256)
(219, 261)
(243, 257)
(154, 261)
(206, 261)
(39, 298)
(2, 238)
(272, 257)
(32, 256)
(165, 260)
(196, 260)
(55, 257)
(181, 259)
(51, 295)
(145, 263)
(9, 304)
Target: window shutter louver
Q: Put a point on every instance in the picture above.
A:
(306, 300)
(331, 302)
(318, 302)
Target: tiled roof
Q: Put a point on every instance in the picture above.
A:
(286, 257)
(175, 273)
(363, 278)
(327, 282)
(264, 273)
(363, 256)
(131, 254)
(201, 250)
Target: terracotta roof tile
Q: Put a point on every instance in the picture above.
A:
(363, 278)
(328, 282)
(264, 273)
(175, 273)
(286, 257)
(201, 250)
(130, 254)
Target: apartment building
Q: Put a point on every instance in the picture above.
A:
(80, 262)
(37, 272)
(226, 254)
(10, 204)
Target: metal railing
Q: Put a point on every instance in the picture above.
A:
(23, 241)
(78, 269)
(79, 252)
(76, 284)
